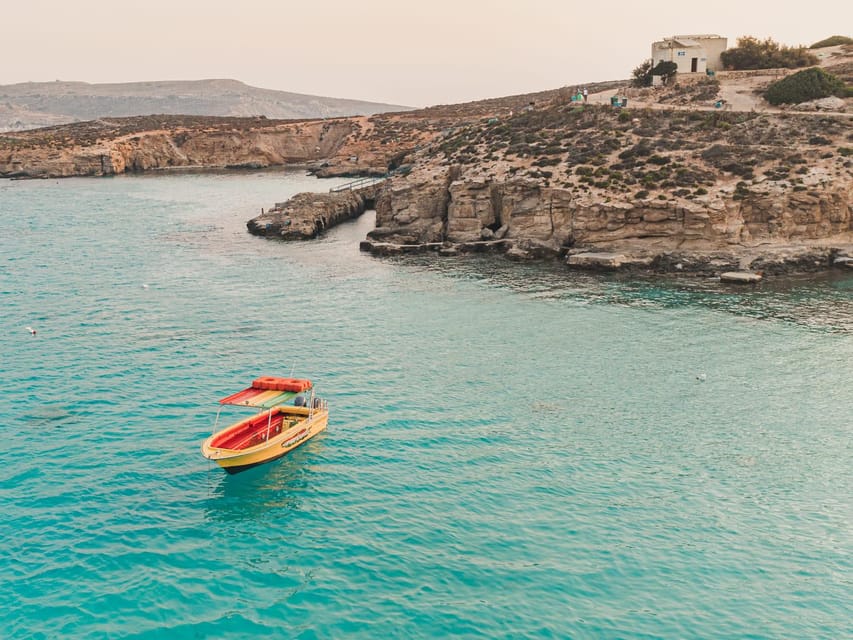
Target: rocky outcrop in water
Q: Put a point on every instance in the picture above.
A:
(307, 215)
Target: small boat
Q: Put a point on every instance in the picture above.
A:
(288, 414)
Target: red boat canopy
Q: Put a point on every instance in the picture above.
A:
(268, 392)
(281, 384)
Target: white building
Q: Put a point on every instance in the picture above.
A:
(692, 54)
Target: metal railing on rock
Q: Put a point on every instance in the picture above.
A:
(360, 183)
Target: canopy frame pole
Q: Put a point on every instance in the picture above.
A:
(269, 424)
(216, 422)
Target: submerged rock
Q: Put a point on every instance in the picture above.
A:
(606, 261)
(740, 277)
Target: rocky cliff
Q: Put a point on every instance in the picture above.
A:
(567, 179)
(362, 145)
(445, 210)
(112, 146)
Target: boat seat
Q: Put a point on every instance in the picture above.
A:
(253, 432)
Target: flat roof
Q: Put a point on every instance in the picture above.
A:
(701, 36)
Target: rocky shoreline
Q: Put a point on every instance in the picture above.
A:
(308, 215)
(439, 210)
(776, 261)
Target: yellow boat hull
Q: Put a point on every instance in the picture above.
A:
(309, 424)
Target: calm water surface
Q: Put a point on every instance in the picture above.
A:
(513, 451)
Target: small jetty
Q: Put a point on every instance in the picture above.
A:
(307, 215)
(359, 184)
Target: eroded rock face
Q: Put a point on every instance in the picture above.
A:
(409, 212)
(440, 208)
(533, 212)
(797, 216)
(470, 210)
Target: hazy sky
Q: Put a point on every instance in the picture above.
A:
(402, 52)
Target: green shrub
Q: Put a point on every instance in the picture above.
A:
(546, 162)
(642, 75)
(831, 42)
(741, 191)
(641, 194)
(805, 85)
(665, 69)
(752, 53)
(642, 148)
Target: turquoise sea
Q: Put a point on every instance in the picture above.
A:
(514, 451)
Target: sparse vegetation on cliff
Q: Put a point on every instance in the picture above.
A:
(677, 154)
(642, 74)
(703, 90)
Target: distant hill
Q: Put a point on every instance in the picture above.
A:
(38, 104)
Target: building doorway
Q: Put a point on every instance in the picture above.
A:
(694, 65)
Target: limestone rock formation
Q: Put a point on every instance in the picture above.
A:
(307, 215)
(413, 213)
(542, 221)
(669, 190)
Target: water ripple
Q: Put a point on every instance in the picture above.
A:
(513, 450)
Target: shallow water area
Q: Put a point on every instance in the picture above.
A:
(513, 450)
